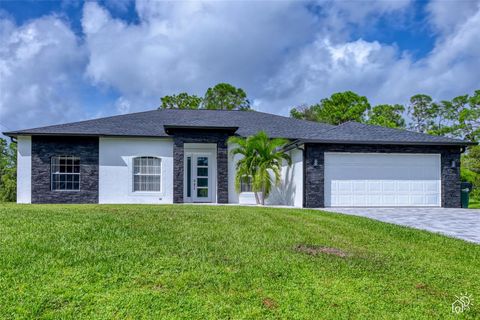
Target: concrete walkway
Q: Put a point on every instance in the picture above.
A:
(459, 223)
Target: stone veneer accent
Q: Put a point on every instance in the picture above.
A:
(313, 177)
(200, 136)
(45, 147)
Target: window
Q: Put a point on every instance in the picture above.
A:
(246, 184)
(65, 173)
(147, 174)
(189, 177)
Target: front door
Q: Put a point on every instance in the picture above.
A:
(199, 177)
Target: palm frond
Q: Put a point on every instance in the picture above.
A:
(262, 159)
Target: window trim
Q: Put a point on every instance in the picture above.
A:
(161, 174)
(52, 158)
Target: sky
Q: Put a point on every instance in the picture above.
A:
(63, 61)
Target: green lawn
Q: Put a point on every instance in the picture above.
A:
(201, 262)
(474, 204)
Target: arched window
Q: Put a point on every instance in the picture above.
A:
(147, 174)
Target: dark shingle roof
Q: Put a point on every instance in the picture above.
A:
(354, 132)
(151, 124)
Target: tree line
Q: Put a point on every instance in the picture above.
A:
(459, 117)
(222, 96)
(8, 171)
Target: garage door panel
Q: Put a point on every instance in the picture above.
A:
(359, 186)
(339, 199)
(431, 186)
(389, 200)
(418, 200)
(402, 200)
(416, 186)
(374, 200)
(432, 199)
(344, 187)
(382, 179)
(389, 186)
(403, 186)
(332, 186)
(374, 186)
(360, 200)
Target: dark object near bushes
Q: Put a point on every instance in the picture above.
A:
(466, 188)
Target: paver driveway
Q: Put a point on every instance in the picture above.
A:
(459, 223)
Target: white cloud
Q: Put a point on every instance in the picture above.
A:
(38, 63)
(123, 105)
(446, 16)
(339, 16)
(323, 68)
(449, 70)
(189, 46)
(381, 72)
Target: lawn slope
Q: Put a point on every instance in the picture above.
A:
(200, 262)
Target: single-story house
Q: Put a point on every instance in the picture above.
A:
(179, 156)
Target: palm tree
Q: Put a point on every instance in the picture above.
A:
(261, 162)
(245, 167)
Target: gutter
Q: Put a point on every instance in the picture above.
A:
(296, 144)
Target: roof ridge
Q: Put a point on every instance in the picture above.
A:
(334, 127)
(301, 120)
(199, 109)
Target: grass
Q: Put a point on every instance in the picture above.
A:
(474, 204)
(202, 262)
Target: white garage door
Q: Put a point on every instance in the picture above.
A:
(366, 179)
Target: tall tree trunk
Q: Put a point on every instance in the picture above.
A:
(263, 194)
(257, 199)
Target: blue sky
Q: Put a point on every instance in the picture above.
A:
(71, 60)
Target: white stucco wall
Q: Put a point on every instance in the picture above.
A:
(297, 158)
(290, 191)
(116, 175)
(24, 169)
